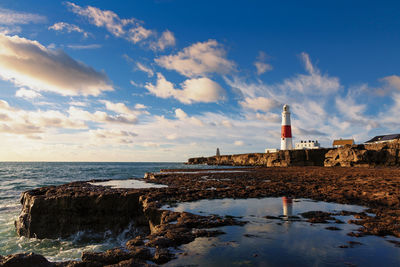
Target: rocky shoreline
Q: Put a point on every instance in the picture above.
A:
(363, 155)
(58, 211)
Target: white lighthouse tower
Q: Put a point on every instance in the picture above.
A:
(286, 132)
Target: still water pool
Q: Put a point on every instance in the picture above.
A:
(282, 242)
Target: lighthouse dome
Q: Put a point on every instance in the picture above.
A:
(286, 107)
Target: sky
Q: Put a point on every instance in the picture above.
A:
(165, 80)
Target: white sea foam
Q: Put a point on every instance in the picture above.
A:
(130, 183)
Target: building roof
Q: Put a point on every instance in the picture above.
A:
(342, 142)
(380, 138)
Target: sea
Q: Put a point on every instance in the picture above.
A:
(17, 177)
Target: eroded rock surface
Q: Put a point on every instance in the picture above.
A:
(286, 158)
(78, 206)
(368, 155)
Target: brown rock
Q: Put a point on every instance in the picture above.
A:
(25, 259)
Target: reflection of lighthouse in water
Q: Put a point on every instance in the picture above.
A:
(287, 207)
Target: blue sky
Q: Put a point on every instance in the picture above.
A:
(167, 80)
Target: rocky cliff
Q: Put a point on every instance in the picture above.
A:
(284, 158)
(368, 155)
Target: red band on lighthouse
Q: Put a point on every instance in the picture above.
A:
(286, 131)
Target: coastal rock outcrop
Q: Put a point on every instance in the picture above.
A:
(368, 155)
(60, 211)
(365, 155)
(283, 158)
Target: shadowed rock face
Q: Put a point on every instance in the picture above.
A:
(52, 212)
(25, 259)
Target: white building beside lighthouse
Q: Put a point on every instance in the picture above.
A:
(286, 131)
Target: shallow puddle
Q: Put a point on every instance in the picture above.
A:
(277, 235)
(129, 183)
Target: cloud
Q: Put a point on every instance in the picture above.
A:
(392, 81)
(28, 123)
(10, 30)
(28, 63)
(129, 29)
(193, 90)
(309, 132)
(269, 117)
(112, 136)
(354, 112)
(102, 117)
(259, 103)
(27, 94)
(182, 116)
(64, 26)
(11, 17)
(121, 108)
(167, 39)
(238, 143)
(198, 59)
(145, 69)
(78, 103)
(261, 65)
(140, 106)
(312, 84)
(82, 47)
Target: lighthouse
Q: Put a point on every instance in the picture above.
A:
(286, 132)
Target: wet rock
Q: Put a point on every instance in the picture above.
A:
(111, 256)
(162, 255)
(354, 243)
(137, 241)
(25, 259)
(131, 263)
(317, 216)
(332, 228)
(395, 242)
(52, 212)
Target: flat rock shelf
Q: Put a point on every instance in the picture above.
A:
(61, 211)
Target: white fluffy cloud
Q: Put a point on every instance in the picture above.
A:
(182, 116)
(261, 65)
(238, 143)
(259, 103)
(28, 63)
(193, 90)
(130, 29)
(64, 26)
(121, 108)
(102, 117)
(198, 59)
(27, 94)
(314, 84)
(145, 69)
(392, 81)
(11, 17)
(167, 39)
(29, 123)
